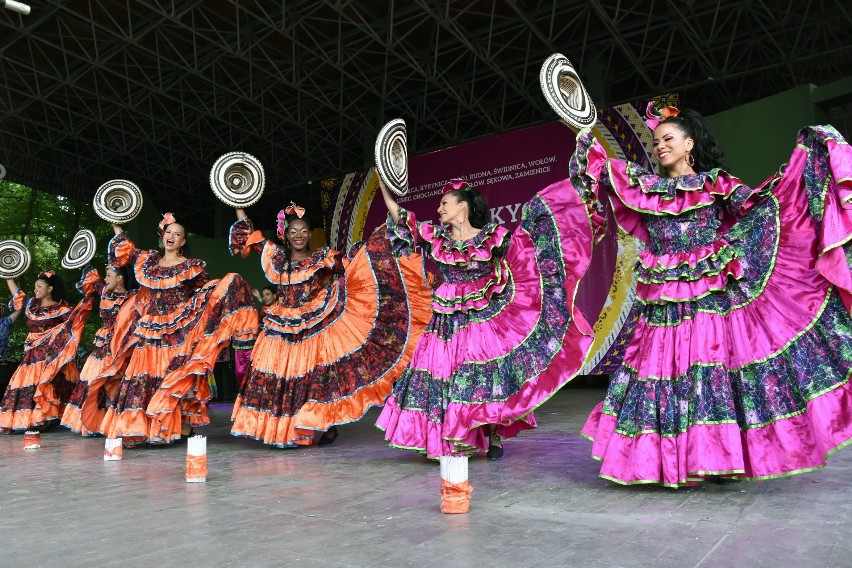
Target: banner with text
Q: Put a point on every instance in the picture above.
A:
(508, 169)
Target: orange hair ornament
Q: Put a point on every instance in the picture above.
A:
(654, 116)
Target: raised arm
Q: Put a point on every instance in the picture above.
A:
(243, 238)
(390, 202)
(121, 251)
(14, 315)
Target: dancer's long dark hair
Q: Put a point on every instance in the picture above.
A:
(58, 292)
(478, 211)
(128, 276)
(706, 150)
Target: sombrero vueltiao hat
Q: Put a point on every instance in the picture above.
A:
(14, 259)
(80, 251)
(118, 201)
(237, 179)
(392, 156)
(565, 92)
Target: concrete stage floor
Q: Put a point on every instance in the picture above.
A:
(360, 503)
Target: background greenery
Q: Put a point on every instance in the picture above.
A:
(46, 224)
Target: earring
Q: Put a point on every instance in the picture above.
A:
(689, 159)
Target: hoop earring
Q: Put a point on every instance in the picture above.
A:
(689, 159)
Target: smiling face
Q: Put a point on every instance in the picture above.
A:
(452, 209)
(671, 145)
(112, 279)
(299, 235)
(42, 290)
(174, 237)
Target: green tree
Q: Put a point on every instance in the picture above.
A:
(45, 224)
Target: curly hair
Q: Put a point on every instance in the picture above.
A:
(706, 150)
(54, 281)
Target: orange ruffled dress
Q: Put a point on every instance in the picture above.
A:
(182, 323)
(45, 379)
(340, 334)
(101, 372)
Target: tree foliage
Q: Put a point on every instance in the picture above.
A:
(46, 224)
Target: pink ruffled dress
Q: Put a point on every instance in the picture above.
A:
(740, 362)
(504, 333)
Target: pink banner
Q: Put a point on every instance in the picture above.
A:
(507, 169)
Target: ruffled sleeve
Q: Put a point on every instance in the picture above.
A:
(827, 163)
(405, 235)
(90, 282)
(645, 192)
(635, 192)
(491, 242)
(189, 274)
(585, 167)
(18, 301)
(244, 238)
(121, 250)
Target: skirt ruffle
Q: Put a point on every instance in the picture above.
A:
(751, 381)
(165, 385)
(44, 381)
(31, 401)
(495, 365)
(307, 382)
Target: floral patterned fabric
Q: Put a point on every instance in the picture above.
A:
(504, 333)
(100, 367)
(341, 331)
(182, 321)
(740, 360)
(44, 380)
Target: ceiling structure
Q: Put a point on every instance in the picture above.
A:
(154, 92)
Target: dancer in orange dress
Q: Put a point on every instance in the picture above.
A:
(117, 291)
(342, 329)
(43, 382)
(183, 320)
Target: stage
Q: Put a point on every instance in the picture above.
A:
(360, 503)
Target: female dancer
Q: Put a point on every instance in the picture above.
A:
(336, 338)
(84, 414)
(43, 382)
(739, 364)
(504, 333)
(242, 354)
(183, 321)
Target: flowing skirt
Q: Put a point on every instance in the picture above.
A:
(750, 381)
(495, 363)
(335, 368)
(165, 381)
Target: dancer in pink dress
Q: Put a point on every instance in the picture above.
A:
(504, 333)
(739, 365)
